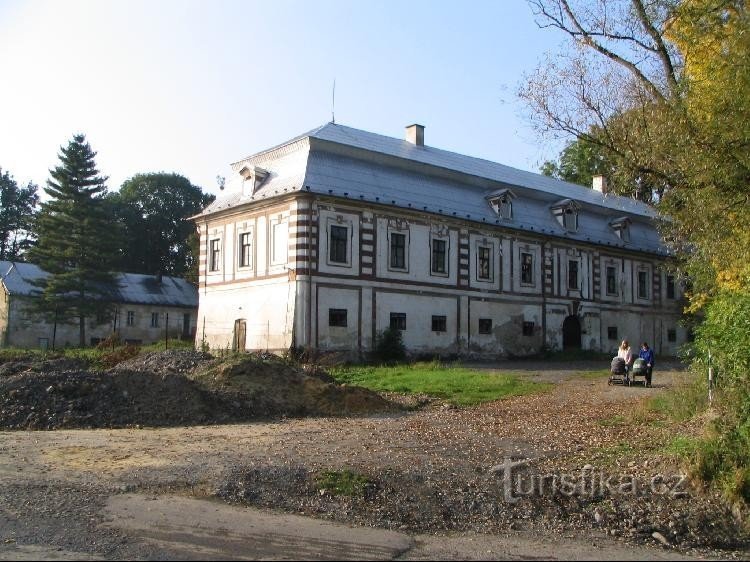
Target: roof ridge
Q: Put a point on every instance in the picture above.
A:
(298, 138)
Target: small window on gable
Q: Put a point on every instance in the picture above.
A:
(501, 202)
(621, 228)
(566, 213)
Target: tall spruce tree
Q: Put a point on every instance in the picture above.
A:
(77, 239)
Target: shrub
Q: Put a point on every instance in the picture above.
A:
(389, 346)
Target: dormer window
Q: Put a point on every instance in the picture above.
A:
(566, 213)
(621, 227)
(501, 202)
(253, 177)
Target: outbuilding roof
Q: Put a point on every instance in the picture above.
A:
(132, 288)
(340, 161)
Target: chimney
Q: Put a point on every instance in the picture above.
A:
(415, 134)
(600, 184)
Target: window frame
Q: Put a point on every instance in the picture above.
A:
(245, 250)
(397, 319)
(334, 322)
(479, 260)
(571, 270)
(527, 268)
(446, 252)
(614, 291)
(346, 262)
(485, 326)
(441, 320)
(130, 318)
(404, 256)
(642, 274)
(154, 319)
(670, 287)
(214, 255)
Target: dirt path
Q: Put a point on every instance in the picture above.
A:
(57, 488)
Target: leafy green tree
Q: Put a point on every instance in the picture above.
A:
(17, 207)
(664, 87)
(159, 237)
(77, 239)
(579, 162)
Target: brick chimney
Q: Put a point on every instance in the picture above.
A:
(600, 184)
(415, 134)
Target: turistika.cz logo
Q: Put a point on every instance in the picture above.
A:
(519, 482)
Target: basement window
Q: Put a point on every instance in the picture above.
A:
(671, 335)
(612, 333)
(337, 317)
(398, 321)
(528, 328)
(439, 324)
(485, 325)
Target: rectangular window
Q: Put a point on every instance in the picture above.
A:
(186, 324)
(527, 269)
(670, 286)
(280, 243)
(337, 317)
(611, 280)
(337, 252)
(439, 256)
(214, 255)
(131, 318)
(246, 249)
(398, 251)
(102, 317)
(643, 284)
(612, 332)
(528, 328)
(485, 325)
(398, 321)
(439, 324)
(154, 319)
(483, 263)
(573, 275)
(671, 335)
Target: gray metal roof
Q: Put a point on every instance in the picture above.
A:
(343, 162)
(133, 288)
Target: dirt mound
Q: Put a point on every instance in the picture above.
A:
(171, 388)
(178, 361)
(286, 389)
(32, 363)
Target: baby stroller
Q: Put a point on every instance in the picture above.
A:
(618, 372)
(640, 370)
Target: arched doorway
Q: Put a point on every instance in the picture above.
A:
(240, 331)
(571, 333)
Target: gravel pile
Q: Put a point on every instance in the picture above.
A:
(170, 388)
(437, 502)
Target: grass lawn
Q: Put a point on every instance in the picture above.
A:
(459, 386)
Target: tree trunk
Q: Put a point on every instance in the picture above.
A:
(82, 330)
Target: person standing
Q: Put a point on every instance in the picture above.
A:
(647, 354)
(626, 355)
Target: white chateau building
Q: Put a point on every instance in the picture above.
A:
(329, 238)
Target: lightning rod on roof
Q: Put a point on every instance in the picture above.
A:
(333, 102)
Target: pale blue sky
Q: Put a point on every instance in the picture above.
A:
(191, 86)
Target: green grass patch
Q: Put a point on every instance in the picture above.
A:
(682, 446)
(343, 482)
(460, 386)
